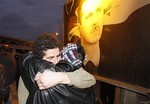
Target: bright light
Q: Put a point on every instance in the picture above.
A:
(56, 34)
(90, 5)
(6, 45)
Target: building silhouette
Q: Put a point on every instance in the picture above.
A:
(16, 46)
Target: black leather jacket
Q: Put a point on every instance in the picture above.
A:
(60, 94)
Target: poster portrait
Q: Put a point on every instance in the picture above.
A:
(121, 49)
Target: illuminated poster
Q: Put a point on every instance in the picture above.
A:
(117, 40)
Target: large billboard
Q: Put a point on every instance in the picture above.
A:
(115, 35)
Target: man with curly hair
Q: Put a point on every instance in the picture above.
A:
(47, 47)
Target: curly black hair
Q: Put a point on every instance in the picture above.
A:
(81, 52)
(45, 41)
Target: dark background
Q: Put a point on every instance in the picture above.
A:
(125, 49)
(25, 19)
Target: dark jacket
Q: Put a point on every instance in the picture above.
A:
(9, 63)
(60, 94)
(3, 88)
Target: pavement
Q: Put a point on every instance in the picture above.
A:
(14, 95)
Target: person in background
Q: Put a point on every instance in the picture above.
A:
(3, 88)
(17, 71)
(49, 49)
(9, 63)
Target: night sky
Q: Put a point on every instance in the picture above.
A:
(25, 19)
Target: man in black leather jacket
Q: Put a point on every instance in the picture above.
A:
(60, 94)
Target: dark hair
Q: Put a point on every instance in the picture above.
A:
(44, 42)
(81, 52)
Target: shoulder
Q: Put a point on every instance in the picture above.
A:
(65, 66)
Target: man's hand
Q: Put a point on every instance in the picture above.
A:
(49, 79)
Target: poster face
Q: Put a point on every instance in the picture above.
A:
(115, 35)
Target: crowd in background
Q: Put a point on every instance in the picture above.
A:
(9, 73)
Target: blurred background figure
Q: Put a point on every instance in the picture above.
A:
(17, 71)
(3, 88)
(9, 63)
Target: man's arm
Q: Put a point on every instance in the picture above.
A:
(79, 78)
(49, 79)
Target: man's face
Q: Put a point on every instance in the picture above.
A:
(52, 55)
(91, 21)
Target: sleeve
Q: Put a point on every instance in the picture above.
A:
(41, 65)
(65, 66)
(81, 78)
